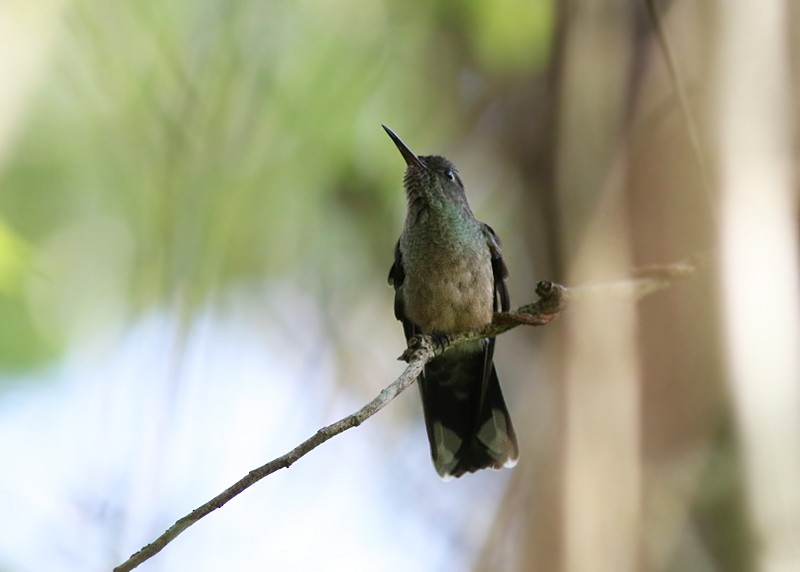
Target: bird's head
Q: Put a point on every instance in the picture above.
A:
(431, 179)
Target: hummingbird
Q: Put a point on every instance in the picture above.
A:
(449, 277)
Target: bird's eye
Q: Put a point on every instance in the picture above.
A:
(450, 174)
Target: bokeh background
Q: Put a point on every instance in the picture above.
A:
(198, 210)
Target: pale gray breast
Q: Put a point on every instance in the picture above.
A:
(450, 290)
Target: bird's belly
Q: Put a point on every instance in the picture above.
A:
(450, 302)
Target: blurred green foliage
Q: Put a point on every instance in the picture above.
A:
(172, 149)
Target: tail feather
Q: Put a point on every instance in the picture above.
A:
(469, 427)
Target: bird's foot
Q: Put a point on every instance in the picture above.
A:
(415, 344)
(436, 341)
(440, 341)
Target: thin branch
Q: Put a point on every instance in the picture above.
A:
(421, 355)
(553, 299)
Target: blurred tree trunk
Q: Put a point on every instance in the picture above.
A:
(611, 152)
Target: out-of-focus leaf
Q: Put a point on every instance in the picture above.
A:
(511, 36)
(21, 343)
(13, 260)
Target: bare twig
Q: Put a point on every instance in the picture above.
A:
(421, 355)
(553, 299)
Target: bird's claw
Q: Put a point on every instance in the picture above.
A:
(437, 341)
(414, 343)
(440, 341)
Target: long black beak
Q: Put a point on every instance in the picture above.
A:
(407, 153)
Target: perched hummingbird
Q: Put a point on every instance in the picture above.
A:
(449, 277)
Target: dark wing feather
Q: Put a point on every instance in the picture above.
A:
(397, 276)
(500, 273)
(498, 269)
